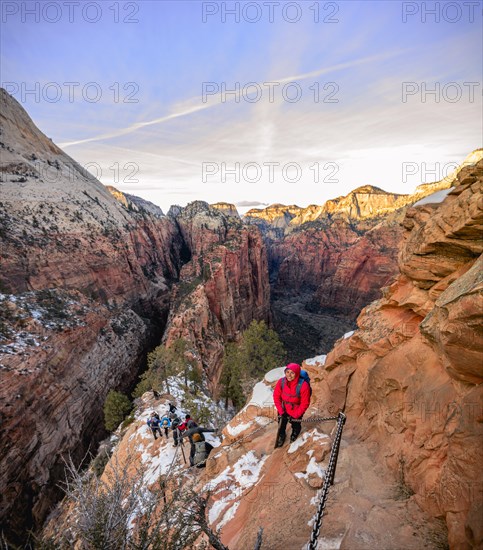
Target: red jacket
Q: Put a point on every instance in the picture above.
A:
(294, 406)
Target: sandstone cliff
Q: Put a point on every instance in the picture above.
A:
(63, 232)
(411, 375)
(327, 262)
(224, 286)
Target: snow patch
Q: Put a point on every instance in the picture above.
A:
(262, 395)
(229, 514)
(326, 543)
(238, 429)
(318, 360)
(274, 375)
(314, 468)
(348, 334)
(299, 442)
(235, 480)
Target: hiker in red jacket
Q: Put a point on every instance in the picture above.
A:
(292, 398)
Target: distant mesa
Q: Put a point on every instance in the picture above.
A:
(363, 204)
(369, 190)
(227, 208)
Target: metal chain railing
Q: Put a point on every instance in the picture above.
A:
(329, 480)
(314, 419)
(262, 427)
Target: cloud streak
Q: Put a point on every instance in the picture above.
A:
(197, 105)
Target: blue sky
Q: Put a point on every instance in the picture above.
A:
(150, 132)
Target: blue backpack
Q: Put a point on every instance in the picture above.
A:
(304, 377)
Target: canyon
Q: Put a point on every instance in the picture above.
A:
(409, 380)
(92, 279)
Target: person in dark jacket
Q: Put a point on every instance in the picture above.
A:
(175, 424)
(290, 403)
(202, 451)
(196, 437)
(154, 422)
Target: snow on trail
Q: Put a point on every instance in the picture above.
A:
(234, 480)
(314, 434)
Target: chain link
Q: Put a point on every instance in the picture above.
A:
(329, 478)
(314, 419)
(240, 440)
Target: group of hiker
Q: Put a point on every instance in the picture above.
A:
(291, 396)
(199, 447)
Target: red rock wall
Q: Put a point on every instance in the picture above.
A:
(410, 377)
(344, 270)
(231, 289)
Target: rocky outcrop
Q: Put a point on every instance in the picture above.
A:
(138, 204)
(411, 375)
(273, 220)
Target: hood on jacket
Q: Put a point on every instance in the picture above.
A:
(296, 369)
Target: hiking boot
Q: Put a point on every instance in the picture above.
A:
(280, 441)
(293, 437)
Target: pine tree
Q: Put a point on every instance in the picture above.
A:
(116, 407)
(231, 377)
(261, 350)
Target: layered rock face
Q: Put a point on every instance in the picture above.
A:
(224, 285)
(61, 229)
(340, 268)
(410, 377)
(327, 262)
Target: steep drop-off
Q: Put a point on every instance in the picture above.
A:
(86, 290)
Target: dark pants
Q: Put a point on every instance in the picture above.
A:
(155, 429)
(175, 437)
(192, 454)
(296, 426)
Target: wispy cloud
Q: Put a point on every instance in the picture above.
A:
(196, 104)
